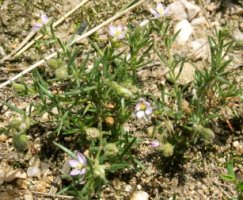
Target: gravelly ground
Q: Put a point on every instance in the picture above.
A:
(198, 178)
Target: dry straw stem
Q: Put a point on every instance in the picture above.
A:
(23, 46)
(87, 34)
(43, 194)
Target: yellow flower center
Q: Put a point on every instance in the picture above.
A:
(160, 11)
(143, 106)
(117, 33)
(80, 166)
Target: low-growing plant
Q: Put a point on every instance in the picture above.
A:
(90, 96)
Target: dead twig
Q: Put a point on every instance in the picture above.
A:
(40, 193)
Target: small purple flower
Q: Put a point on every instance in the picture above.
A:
(143, 109)
(79, 165)
(38, 25)
(155, 143)
(118, 32)
(160, 11)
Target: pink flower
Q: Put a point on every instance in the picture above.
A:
(118, 32)
(79, 165)
(143, 109)
(160, 11)
(154, 143)
(38, 25)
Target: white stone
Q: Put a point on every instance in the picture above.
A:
(128, 188)
(186, 75)
(15, 174)
(185, 29)
(45, 117)
(192, 9)
(139, 195)
(237, 35)
(177, 11)
(54, 110)
(236, 144)
(199, 49)
(139, 187)
(33, 171)
(28, 197)
(199, 21)
(35, 161)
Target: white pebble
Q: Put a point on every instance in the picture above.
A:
(185, 29)
(139, 195)
(33, 171)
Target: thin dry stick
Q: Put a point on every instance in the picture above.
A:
(23, 46)
(87, 34)
(41, 194)
(52, 195)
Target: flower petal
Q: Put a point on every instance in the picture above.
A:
(82, 171)
(140, 114)
(36, 27)
(74, 163)
(112, 30)
(167, 11)
(154, 143)
(44, 18)
(121, 36)
(75, 172)
(160, 9)
(138, 106)
(81, 158)
(148, 111)
(147, 104)
(154, 13)
(120, 28)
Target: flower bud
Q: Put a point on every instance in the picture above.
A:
(18, 87)
(92, 133)
(109, 121)
(167, 149)
(14, 123)
(20, 141)
(20, 124)
(111, 149)
(62, 73)
(99, 170)
(121, 90)
(54, 63)
(126, 92)
(206, 133)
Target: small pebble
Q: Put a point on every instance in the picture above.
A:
(139, 187)
(128, 188)
(33, 171)
(3, 137)
(28, 197)
(185, 29)
(15, 174)
(139, 195)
